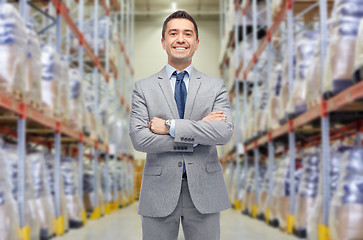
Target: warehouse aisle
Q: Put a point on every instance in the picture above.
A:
(126, 224)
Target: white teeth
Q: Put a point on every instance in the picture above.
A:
(180, 48)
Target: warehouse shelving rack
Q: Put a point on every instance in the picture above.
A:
(31, 120)
(344, 101)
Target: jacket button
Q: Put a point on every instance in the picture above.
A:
(181, 139)
(180, 164)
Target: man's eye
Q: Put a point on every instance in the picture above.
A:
(172, 34)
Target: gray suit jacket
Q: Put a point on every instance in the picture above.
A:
(162, 175)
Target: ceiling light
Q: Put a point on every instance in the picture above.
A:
(173, 6)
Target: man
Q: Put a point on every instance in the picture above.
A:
(178, 117)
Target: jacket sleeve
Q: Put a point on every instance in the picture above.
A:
(207, 132)
(142, 138)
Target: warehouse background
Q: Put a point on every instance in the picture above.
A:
(293, 69)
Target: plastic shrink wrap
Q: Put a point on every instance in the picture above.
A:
(313, 80)
(308, 191)
(107, 183)
(51, 75)
(233, 182)
(90, 114)
(316, 218)
(358, 56)
(49, 163)
(73, 203)
(241, 184)
(273, 107)
(123, 192)
(273, 199)
(250, 123)
(285, 85)
(33, 75)
(346, 209)
(64, 93)
(43, 198)
(343, 29)
(89, 193)
(305, 44)
(75, 101)
(9, 216)
(89, 32)
(265, 198)
(249, 195)
(13, 41)
(31, 214)
(283, 190)
(261, 115)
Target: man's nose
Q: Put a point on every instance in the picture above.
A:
(180, 38)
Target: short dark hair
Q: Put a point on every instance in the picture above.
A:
(179, 14)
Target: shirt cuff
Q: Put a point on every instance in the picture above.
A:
(172, 128)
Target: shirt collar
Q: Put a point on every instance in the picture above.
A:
(170, 70)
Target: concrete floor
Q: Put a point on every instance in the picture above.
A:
(126, 224)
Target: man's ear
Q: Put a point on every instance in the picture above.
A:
(163, 43)
(197, 44)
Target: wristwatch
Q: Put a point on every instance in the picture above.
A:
(168, 125)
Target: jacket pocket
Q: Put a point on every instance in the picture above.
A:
(214, 167)
(152, 171)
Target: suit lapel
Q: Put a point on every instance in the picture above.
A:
(194, 84)
(164, 83)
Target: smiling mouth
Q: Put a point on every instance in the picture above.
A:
(180, 48)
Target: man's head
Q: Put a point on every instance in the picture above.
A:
(181, 15)
(180, 39)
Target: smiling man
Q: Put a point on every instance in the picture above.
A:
(178, 117)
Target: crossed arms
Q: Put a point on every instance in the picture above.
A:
(151, 137)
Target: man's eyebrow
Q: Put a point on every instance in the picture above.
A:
(175, 29)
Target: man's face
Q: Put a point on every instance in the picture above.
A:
(180, 41)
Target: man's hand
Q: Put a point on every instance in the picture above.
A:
(157, 125)
(215, 116)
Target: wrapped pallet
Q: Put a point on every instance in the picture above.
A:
(31, 214)
(43, 198)
(285, 86)
(90, 114)
(305, 44)
(51, 75)
(89, 193)
(265, 198)
(64, 93)
(241, 184)
(283, 190)
(313, 80)
(346, 209)
(273, 200)
(33, 75)
(50, 165)
(316, 218)
(358, 56)
(13, 41)
(273, 107)
(107, 182)
(343, 30)
(75, 101)
(73, 203)
(249, 195)
(307, 194)
(9, 216)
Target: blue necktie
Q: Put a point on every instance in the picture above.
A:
(180, 96)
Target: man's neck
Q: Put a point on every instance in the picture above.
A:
(180, 66)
